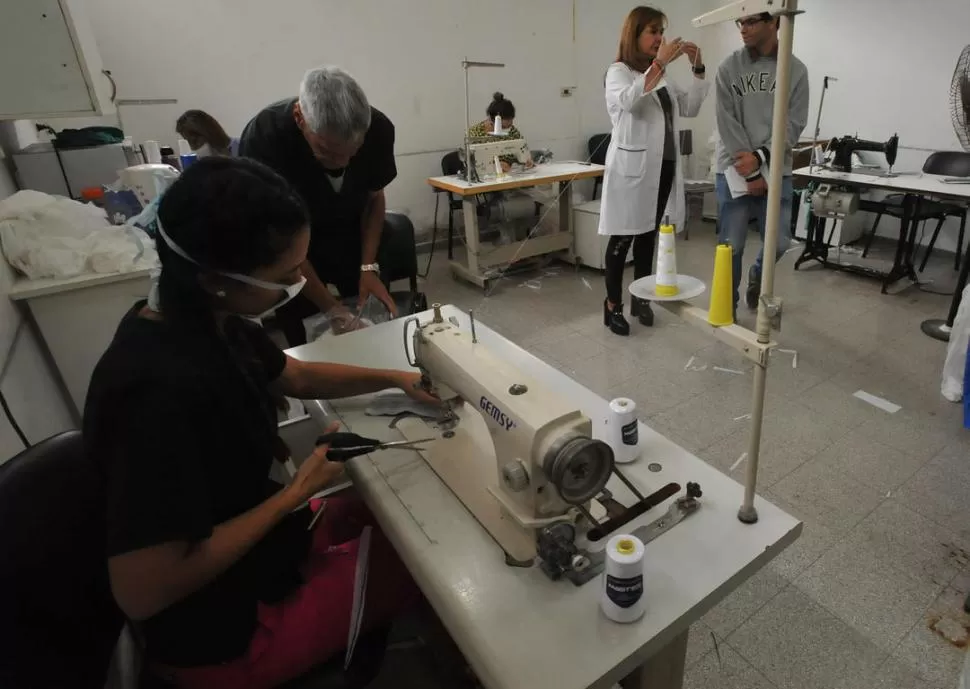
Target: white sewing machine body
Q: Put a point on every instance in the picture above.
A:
(484, 155)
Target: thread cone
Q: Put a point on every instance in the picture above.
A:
(721, 311)
(666, 285)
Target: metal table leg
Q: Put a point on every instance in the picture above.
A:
(469, 269)
(665, 670)
(939, 329)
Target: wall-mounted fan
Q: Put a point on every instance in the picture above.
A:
(960, 116)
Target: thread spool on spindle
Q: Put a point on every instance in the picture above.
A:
(667, 261)
(623, 430)
(721, 311)
(622, 599)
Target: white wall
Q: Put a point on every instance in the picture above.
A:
(25, 378)
(894, 62)
(232, 58)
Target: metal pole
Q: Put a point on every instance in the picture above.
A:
(468, 124)
(779, 143)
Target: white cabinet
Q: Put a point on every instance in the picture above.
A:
(49, 62)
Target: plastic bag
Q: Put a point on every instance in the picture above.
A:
(954, 366)
(46, 236)
(348, 317)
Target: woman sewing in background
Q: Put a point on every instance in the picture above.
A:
(205, 135)
(215, 564)
(643, 181)
(483, 131)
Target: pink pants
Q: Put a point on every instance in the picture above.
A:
(310, 626)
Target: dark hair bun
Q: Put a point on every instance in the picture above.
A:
(498, 97)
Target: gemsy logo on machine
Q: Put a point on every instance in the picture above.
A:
(499, 416)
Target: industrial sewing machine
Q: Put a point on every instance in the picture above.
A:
(536, 481)
(485, 154)
(836, 200)
(844, 147)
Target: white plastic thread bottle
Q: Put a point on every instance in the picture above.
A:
(622, 599)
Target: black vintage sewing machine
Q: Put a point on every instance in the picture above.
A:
(845, 146)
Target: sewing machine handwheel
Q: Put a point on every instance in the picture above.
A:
(579, 469)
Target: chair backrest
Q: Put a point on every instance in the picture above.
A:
(451, 164)
(597, 145)
(398, 255)
(59, 623)
(949, 163)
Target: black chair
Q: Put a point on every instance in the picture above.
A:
(450, 165)
(59, 623)
(948, 163)
(398, 259)
(597, 146)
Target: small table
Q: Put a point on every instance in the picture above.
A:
(475, 268)
(914, 187)
(516, 627)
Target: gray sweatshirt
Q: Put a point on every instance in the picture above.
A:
(745, 100)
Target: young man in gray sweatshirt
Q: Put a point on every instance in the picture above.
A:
(745, 105)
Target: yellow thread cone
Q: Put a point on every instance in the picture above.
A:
(722, 310)
(666, 280)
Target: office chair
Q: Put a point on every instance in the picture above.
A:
(597, 146)
(948, 163)
(450, 165)
(398, 259)
(60, 623)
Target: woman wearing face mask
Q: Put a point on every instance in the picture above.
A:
(643, 181)
(205, 135)
(214, 562)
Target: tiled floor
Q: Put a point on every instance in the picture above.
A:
(885, 497)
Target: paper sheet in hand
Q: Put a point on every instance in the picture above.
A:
(738, 185)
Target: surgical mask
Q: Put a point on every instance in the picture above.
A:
(203, 151)
(290, 290)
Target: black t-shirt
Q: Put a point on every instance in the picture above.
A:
(184, 431)
(273, 138)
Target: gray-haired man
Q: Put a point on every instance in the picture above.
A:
(338, 153)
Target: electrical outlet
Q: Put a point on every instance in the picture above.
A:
(566, 91)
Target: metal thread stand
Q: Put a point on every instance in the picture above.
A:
(465, 65)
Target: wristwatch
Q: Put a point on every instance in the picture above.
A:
(699, 69)
(370, 268)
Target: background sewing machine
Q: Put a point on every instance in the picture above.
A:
(541, 491)
(483, 156)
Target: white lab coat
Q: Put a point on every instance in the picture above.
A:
(631, 183)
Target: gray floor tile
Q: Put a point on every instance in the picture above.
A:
(796, 643)
(814, 541)
(896, 674)
(706, 418)
(745, 601)
(725, 670)
(880, 602)
(926, 653)
(567, 346)
(871, 462)
(939, 490)
(699, 642)
(828, 496)
(905, 435)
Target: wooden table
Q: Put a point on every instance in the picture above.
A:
(480, 265)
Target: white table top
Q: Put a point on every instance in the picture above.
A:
(24, 288)
(516, 627)
(545, 173)
(916, 183)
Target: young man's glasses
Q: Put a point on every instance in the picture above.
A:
(749, 21)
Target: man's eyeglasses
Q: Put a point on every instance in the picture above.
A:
(748, 21)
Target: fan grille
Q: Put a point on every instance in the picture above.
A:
(960, 99)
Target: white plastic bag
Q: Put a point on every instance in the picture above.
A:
(46, 236)
(956, 352)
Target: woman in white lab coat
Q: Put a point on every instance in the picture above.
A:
(643, 180)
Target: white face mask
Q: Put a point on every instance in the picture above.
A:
(203, 151)
(290, 290)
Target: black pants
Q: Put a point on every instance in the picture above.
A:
(289, 318)
(643, 244)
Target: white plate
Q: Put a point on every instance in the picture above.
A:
(646, 288)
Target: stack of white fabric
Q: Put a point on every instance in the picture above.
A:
(46, 236)
(956, 352)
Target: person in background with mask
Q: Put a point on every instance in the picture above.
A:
(745, 109)
(643, 179)
(205, 135)
(215, 563)
(338, 153)
(483, 131)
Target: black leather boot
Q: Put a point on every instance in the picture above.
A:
(613, 318)
(641, 309)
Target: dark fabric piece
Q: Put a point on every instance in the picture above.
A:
(183, 430)
(643, 244)
(272, 137)
(670, 149)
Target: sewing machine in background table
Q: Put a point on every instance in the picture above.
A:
(516, 626)
(483, 264)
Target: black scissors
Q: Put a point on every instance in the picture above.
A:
(344, 446)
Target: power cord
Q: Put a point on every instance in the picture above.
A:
(13, 422)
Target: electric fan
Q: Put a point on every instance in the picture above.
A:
(960, 115)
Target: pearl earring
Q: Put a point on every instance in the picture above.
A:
(221, 293)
